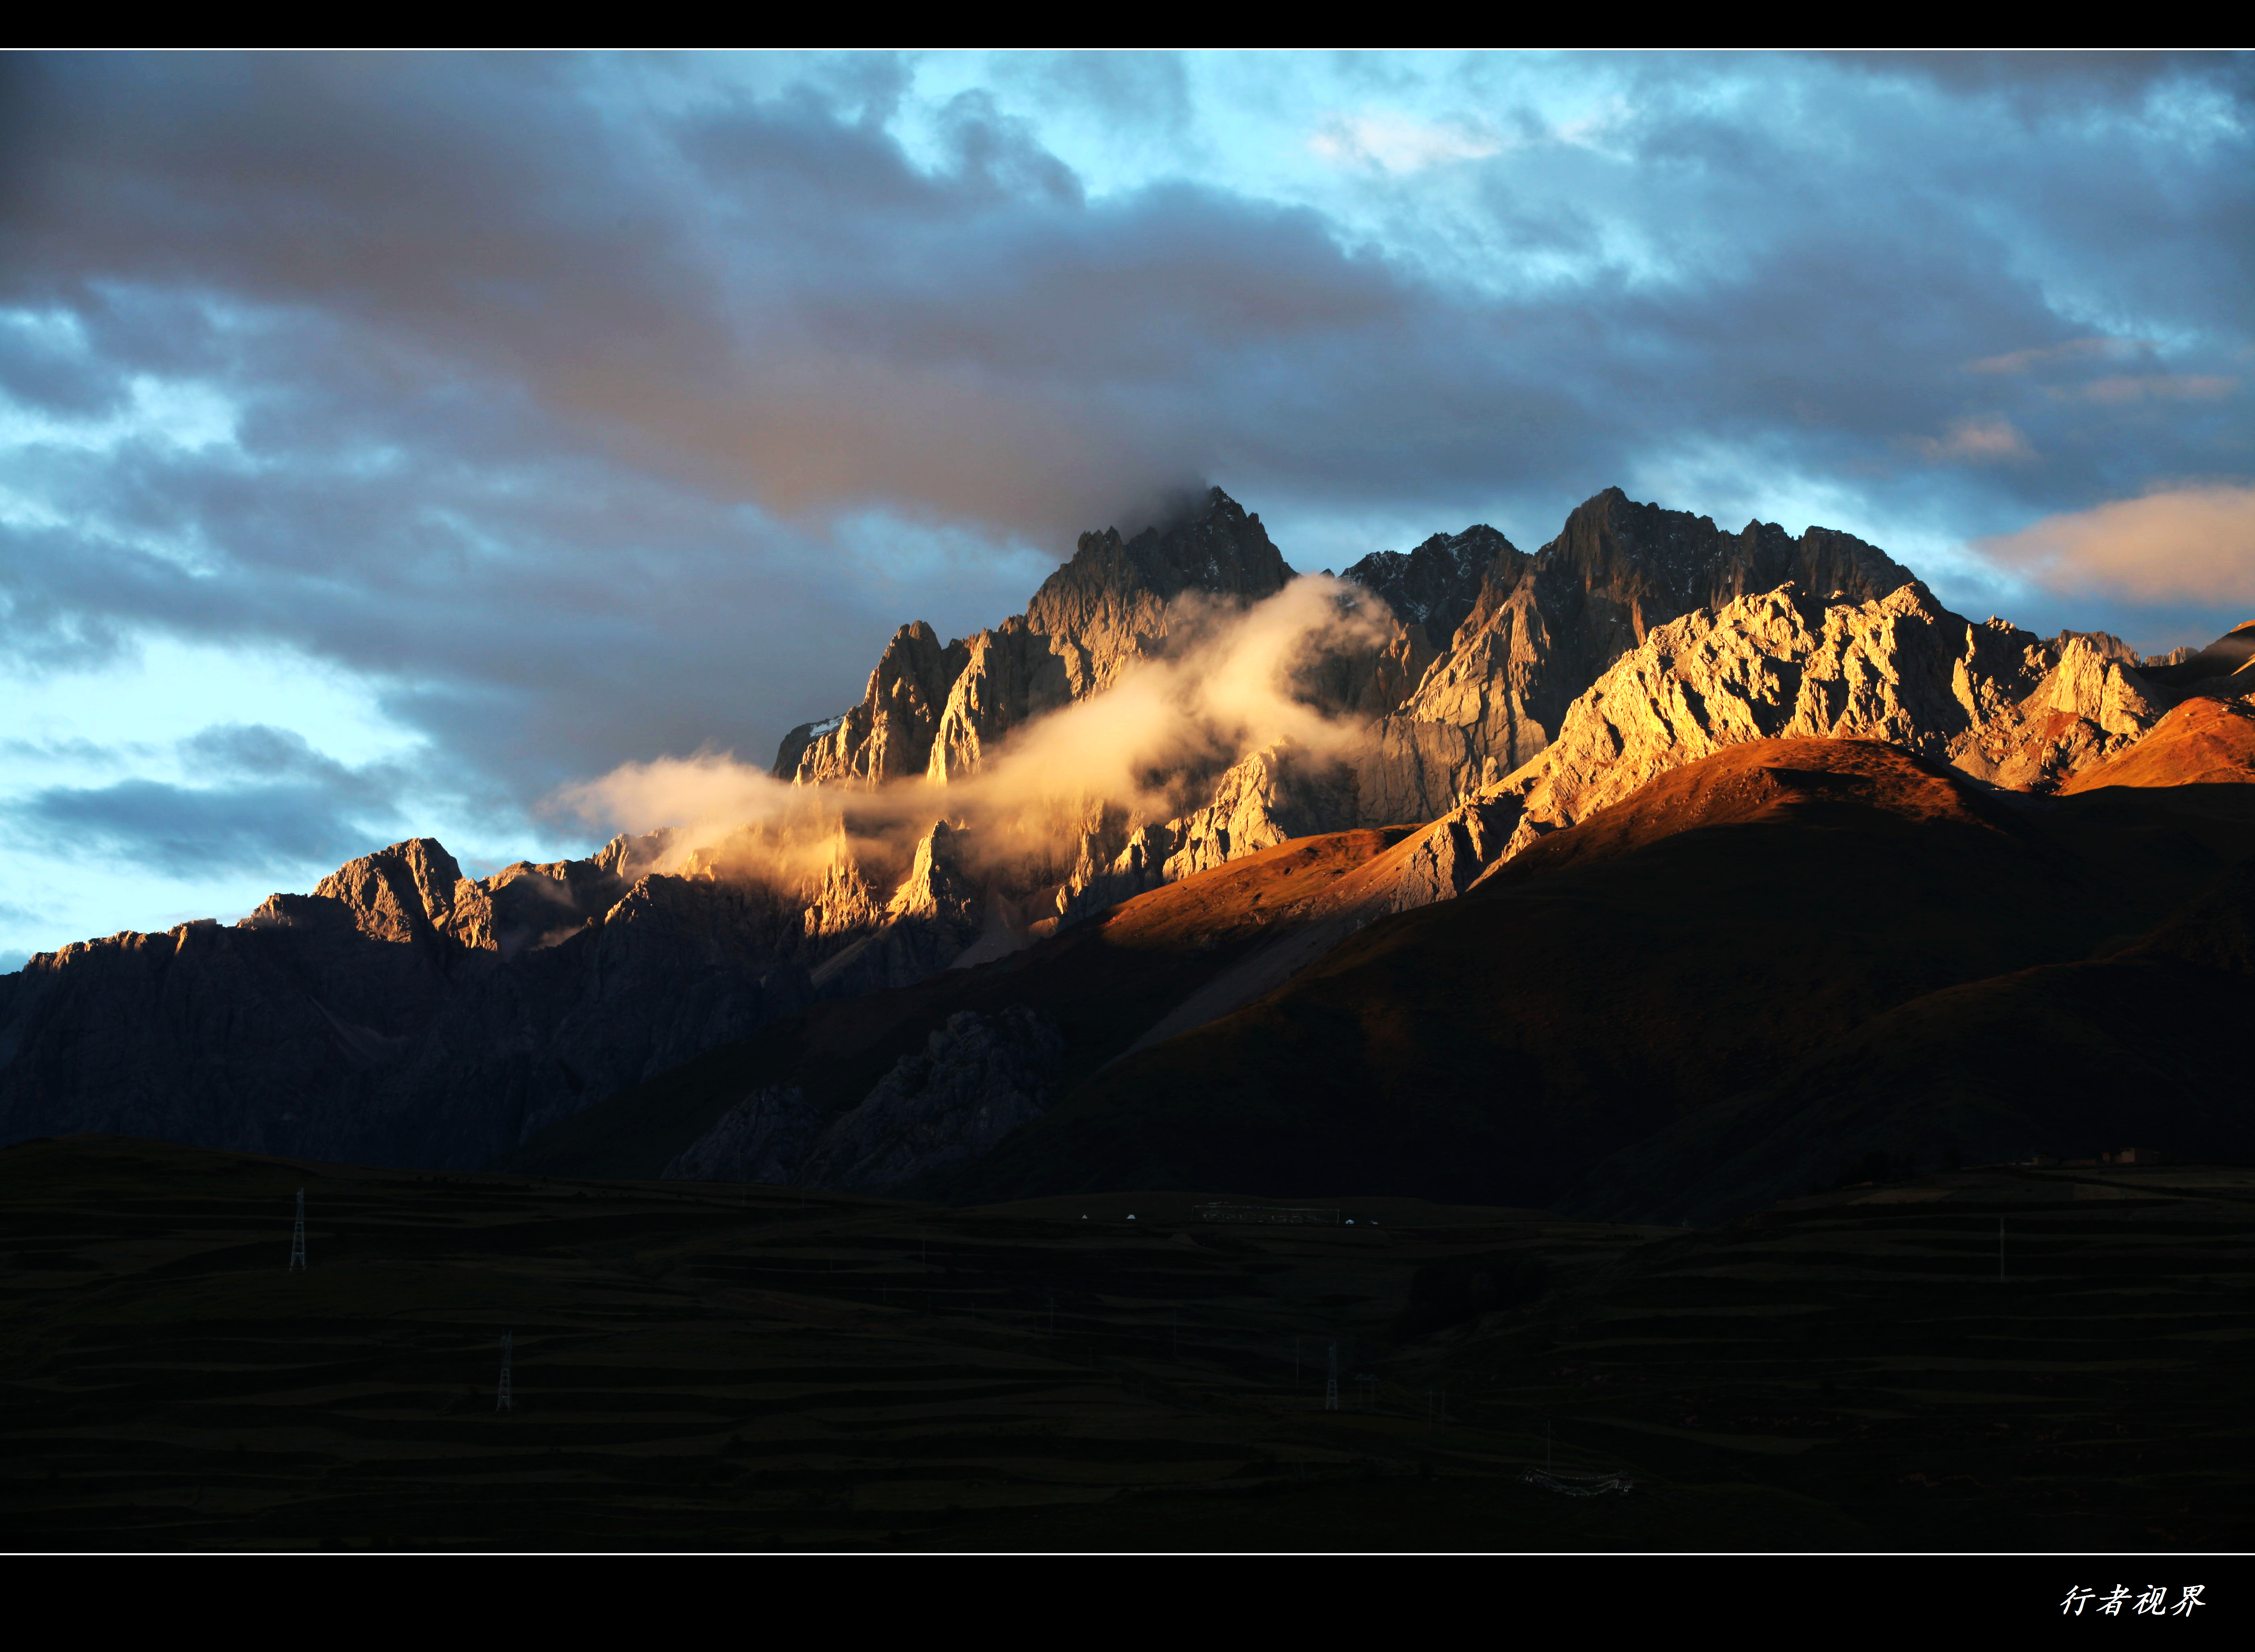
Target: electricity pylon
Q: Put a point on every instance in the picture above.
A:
(298, 1237)
(1330, 1381)
(501, 1401)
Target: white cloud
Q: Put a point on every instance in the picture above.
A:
(1398, 144)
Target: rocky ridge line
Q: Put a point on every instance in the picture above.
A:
(404, 1014)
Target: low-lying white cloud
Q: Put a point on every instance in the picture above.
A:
(1230, 682)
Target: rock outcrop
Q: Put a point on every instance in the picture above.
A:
(889, 736)
(412, 891)
(937, 911)
(764, 1138)
(978, 1079)
(1434, 587)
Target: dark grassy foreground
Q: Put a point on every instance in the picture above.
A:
(703, 1367)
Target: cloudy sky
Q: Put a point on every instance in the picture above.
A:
(388, 443)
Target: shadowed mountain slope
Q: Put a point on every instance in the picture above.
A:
(404, 1014)
(1100, 984)
(2226, 667)
(2146, 1047)
(1714, 933)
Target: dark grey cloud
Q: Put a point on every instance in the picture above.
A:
(195, 831)
(73, 750)
(594, 422)
(2053, 82)
(266, 799)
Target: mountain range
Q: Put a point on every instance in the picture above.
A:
(1656, 873)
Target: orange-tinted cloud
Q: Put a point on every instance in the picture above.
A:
(1227, 685)
(2187, 542)
(2046, 355)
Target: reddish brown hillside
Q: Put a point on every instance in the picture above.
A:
(2203, 742)
(1766, 779)
(1232, 902)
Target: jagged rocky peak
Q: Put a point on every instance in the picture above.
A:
(1211, 545)
(1541, 629)
(539, 904)
(412, 891)
(889, 735)
(2107, 646)
(1435, 585)
(934, 709)
(1660, 564)
(1114, 603)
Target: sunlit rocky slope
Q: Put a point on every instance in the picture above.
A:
(1168, 705)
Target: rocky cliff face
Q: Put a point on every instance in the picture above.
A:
(1482, 649)
(1538, 630)
(1491, 647)
(940, 713)
(1995, 703)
